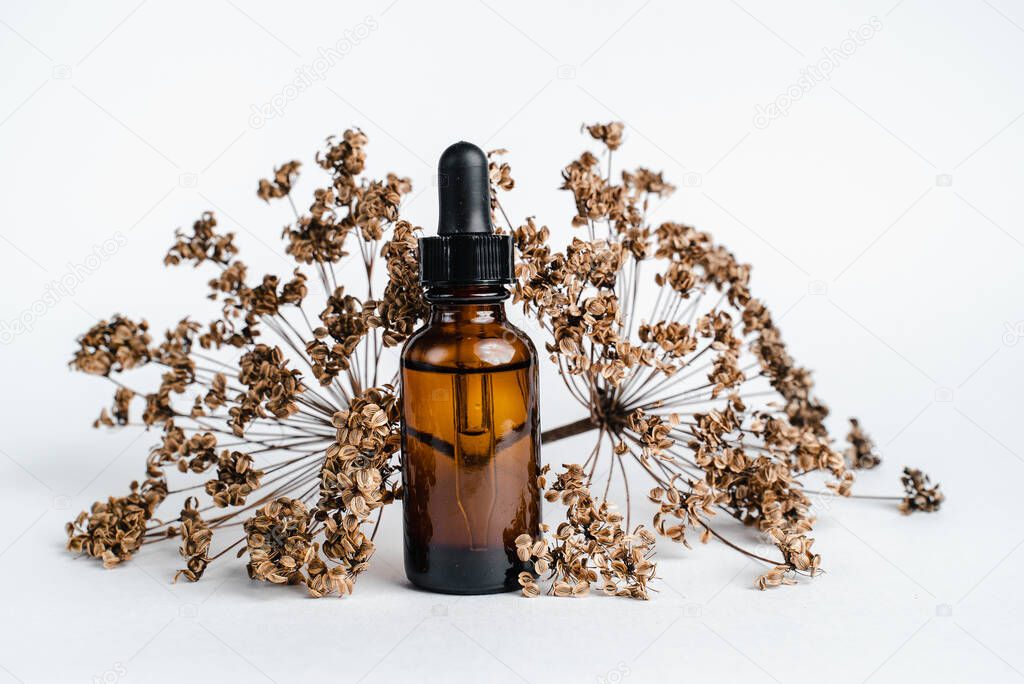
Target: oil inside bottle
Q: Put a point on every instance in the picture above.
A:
(470, 477)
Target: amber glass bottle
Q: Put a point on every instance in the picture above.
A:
(471, 436)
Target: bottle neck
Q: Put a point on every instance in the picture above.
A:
(476, 304)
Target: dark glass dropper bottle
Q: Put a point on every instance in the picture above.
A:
(470, 440)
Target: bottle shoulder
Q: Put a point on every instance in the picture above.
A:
(469, 346)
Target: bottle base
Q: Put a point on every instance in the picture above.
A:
(459, 591)
(462, 571)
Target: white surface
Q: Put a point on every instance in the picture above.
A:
(106, 110)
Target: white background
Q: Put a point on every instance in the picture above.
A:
(882, 214)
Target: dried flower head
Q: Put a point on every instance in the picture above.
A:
(285, 414)
(116, 346)
(113, 530)
(861, 452)
(590, 547)
(196, 536)
(699, 389)
(281, 185)
(279, 542)
(920, 496)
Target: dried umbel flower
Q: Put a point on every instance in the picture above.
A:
(196, 536)
(590, 547)
(861, 452)
(279, 542)
(775, 577)
(356, 481)
(610, 133)
(295, 422)
(921, 495)
(325, 548)
(114, 530)
(236, 479)
(698, 390)
(281, 185)
(204, 244)
(116, 346)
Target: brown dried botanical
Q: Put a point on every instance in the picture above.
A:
(281, 185)
(309, 463)
(921, 495)
(589, 547)
(113, 530)
(700, 390)
(196, 536)
(861, 452)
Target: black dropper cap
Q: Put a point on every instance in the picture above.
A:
(465, 251)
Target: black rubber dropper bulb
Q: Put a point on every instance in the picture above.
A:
(464, 191)
(465, 250)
